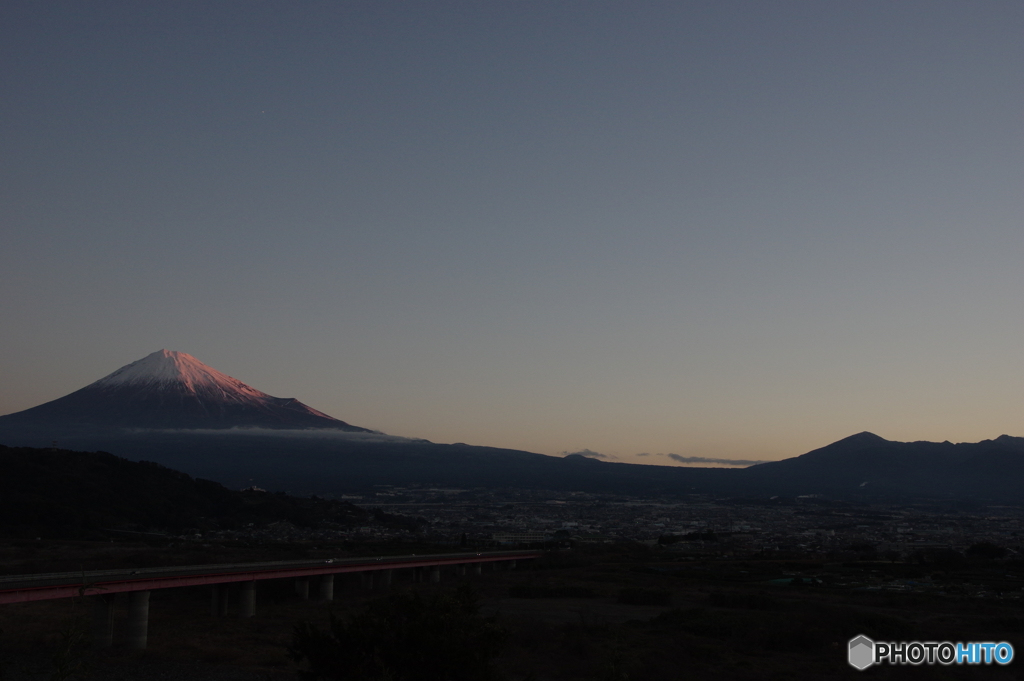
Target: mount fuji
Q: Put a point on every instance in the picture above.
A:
(174, 390)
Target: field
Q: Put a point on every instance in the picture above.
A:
(610, 612)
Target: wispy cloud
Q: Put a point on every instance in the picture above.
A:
(702, 460)
(690, 460)
(590, 454)
(310, 434)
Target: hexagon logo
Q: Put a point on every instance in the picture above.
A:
(862, 652)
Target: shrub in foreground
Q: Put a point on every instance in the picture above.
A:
(404, 637)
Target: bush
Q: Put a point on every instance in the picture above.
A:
(745, 601)
(645, 597)
(538, 591)
(404, 638)
(986, 551)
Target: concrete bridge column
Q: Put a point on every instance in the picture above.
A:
(103, 620)
(366, 579)
(435, 574)
(511, 565)
(247, 599)
(302, 588)
(138, 619)
(219, 600)
(385, 579)
(461, 570)
(478, 568)
(327, 588)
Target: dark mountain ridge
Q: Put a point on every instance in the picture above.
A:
(303, 463)
(308, 464)
(870, 466)
(172, 409)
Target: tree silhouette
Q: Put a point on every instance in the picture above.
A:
(404, 637)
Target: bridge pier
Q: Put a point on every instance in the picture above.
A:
(435, 574)
(460, 570)
(138, 619)
(247, 599)
(385, 579)
(511, 565)
(478, 568)
(219, 600)
(302, 588)
(103, 620)
(366, 579)
(327, 588)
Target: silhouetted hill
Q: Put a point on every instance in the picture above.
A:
(66, 494)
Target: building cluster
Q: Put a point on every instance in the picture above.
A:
(696, 525)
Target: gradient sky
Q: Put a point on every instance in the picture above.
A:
(717, 229)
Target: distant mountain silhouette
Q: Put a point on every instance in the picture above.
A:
(168, 389)
(172, 409)
(318, 463)
(853, 443)
(867, 466)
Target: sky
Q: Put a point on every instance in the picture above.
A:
(723, 230)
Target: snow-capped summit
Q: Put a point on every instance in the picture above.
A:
(168, 367)
(169, 389)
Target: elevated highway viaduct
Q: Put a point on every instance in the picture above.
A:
(100, 586)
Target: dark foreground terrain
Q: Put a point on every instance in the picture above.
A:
(609, 611)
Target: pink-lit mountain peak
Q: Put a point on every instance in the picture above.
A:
(180, 370)
(174, 390)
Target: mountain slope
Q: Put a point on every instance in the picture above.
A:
(58, 493)
(173, 390)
